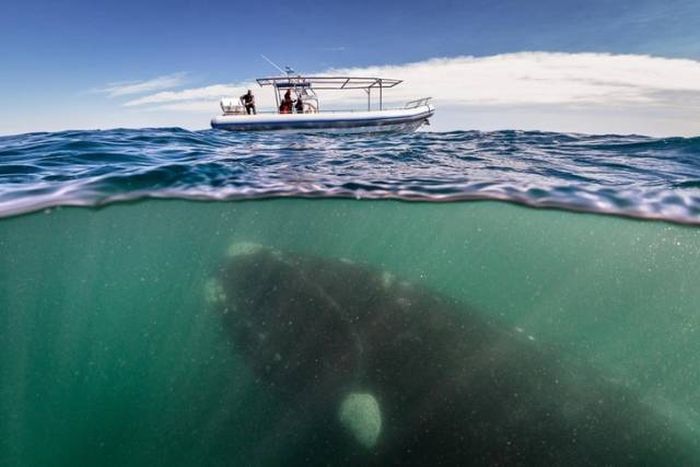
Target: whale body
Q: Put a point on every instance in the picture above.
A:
(373, 370)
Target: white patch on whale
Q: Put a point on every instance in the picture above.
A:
(243, 248)
(360, 415)
(214, 291)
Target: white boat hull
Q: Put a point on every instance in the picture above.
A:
(378, 121)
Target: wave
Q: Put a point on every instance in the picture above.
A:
(626, 175)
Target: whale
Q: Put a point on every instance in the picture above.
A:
(370, 369)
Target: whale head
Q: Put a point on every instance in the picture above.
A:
(294, 336)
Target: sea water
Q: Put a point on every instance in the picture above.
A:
(111, 354)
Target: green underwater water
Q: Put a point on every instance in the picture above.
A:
(110, 355)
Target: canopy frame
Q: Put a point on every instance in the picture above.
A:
(306, 85)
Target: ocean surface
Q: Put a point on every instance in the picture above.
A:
(113, 350)
(625, 175)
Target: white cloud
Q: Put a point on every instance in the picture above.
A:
(538, 78)
(513, 79)
(140, 87)
(213, 92)
(199, 106)
(576, 92)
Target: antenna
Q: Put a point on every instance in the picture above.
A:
(273, 63)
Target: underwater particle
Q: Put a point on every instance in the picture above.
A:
(387, 279)
(243, 248)
(214, 291)
(360, 415)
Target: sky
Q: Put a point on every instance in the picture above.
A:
(594, 66)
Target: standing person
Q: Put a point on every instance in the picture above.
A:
(299, 106)
(286, 106)
(248, 101)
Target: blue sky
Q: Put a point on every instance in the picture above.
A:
(56, 54)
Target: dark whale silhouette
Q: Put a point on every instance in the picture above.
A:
(438, 383)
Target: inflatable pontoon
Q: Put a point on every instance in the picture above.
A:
(305, 114)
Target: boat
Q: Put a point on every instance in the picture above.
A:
(310, 118)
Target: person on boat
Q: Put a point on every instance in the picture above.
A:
(286, 106)
(299, 105)
(248, 101)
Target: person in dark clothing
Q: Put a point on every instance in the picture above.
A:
(299, 106)
(248, 101)
(286, 106)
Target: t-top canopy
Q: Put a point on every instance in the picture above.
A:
(328, 82)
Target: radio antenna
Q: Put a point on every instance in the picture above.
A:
(273, 64)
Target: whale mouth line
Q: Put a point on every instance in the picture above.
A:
(346, 320)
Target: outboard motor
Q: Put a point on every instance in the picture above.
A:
(231, 107)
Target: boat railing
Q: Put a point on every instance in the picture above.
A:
(417, 103)
(333, 111)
